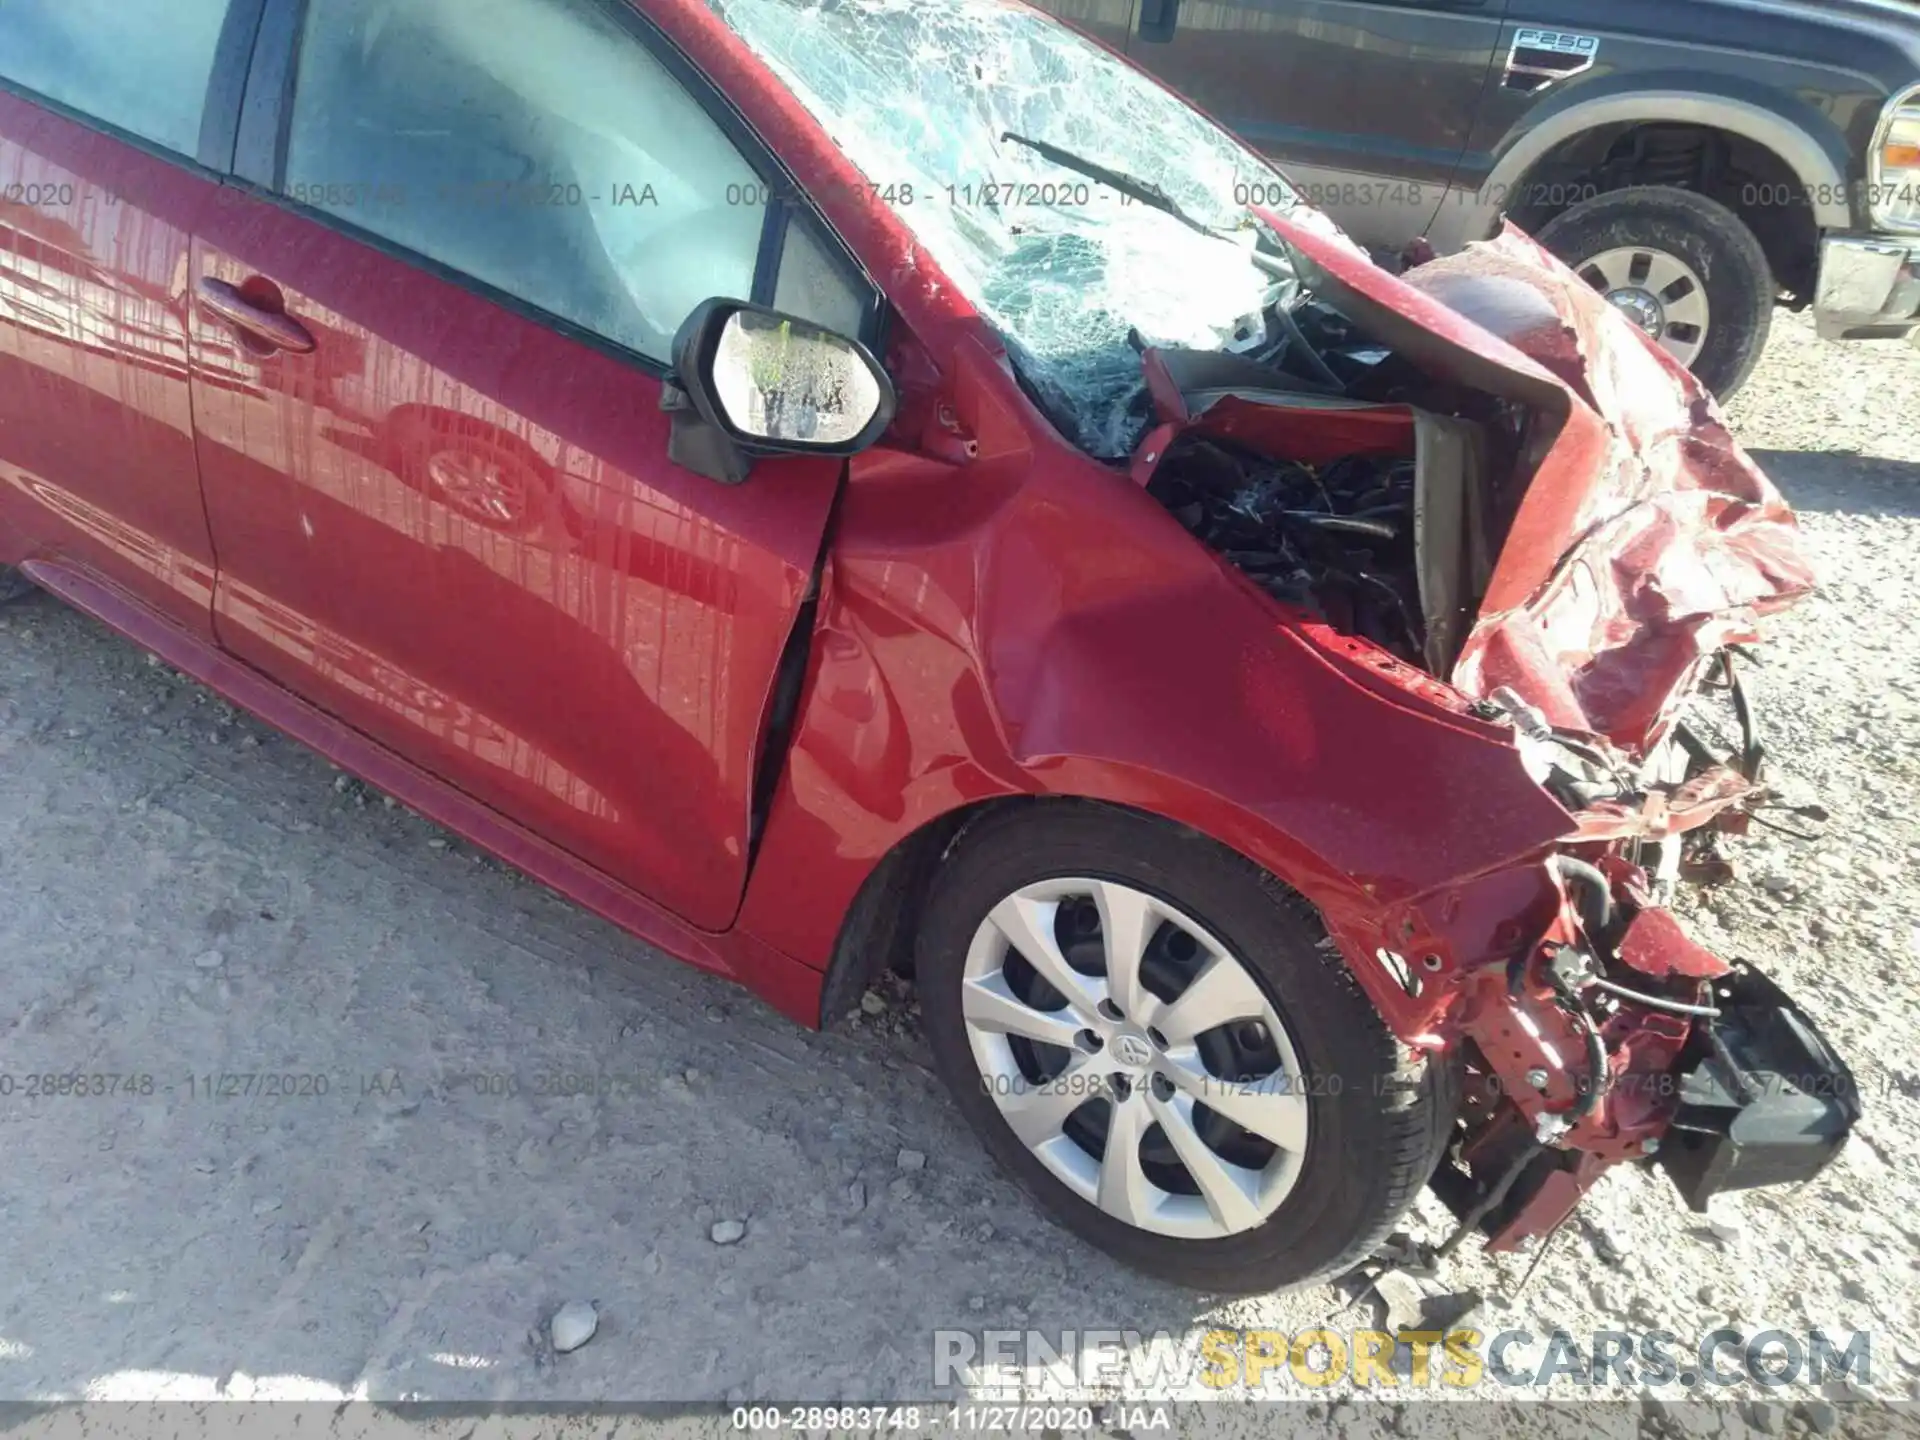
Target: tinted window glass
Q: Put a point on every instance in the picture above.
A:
(142, 65)
(534, 145)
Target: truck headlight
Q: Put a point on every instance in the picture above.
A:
(1893, 165)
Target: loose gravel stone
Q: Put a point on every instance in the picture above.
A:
(573, 1324)
(1820, 1415)
(727, 1232)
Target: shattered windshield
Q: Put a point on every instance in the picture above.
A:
(1039, 171)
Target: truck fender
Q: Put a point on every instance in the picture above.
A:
(1819, 165)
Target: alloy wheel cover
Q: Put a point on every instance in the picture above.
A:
(1151, 1075)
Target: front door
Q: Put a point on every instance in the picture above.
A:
(1367, 103)
(427, 388)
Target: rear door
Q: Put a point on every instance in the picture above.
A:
(428, 350)
(115, 117)
(1368, 105)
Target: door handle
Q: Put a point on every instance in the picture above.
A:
(269, 327)
(1157, 20)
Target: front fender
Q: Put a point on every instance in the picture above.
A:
(1036, 625)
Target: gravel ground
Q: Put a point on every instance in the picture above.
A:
(184, 894)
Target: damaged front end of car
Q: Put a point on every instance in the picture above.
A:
(1475, 472)
(1472, 489)
(1608, 1035)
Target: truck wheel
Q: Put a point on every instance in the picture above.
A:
(13, 585)
(1157, 1040)
(1682, 267)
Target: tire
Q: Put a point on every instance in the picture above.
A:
(1376, 1118)
(1709, 239)
(14, 585)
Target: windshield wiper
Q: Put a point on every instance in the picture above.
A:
(1145, 191)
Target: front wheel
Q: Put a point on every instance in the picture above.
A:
(13, 585)
(1684, 268)
(1158, 1041)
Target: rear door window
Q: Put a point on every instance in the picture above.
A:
(141, 66)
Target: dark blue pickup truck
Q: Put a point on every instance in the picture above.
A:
(1697, 160)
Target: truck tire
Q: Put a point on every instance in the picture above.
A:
(13, 585)
(1684, 268)
(1321, 1128)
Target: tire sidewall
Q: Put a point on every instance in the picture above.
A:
(1346, 1056)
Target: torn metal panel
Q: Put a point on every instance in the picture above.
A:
(1656, 945)
(1644, 539)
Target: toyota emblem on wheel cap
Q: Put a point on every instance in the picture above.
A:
(1132, 1050)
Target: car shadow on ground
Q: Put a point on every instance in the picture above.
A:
(397, 1103)
(1842, 483)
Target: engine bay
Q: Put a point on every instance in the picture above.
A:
(1367, 485)
(1334, 540)
(1341, 481)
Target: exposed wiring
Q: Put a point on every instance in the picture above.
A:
(1652, 1002)
(1596, 1085)
(1597, 912)
(1540, 1254)
(1471, 1220)
(1783, 829)
(1587, 1097)
(1590, 1093)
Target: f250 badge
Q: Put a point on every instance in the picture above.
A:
(1537, 58)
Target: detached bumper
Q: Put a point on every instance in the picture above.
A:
(1869, 287)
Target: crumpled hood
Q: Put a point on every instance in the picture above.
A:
(1646, 540)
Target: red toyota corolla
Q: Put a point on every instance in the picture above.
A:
(837, 484)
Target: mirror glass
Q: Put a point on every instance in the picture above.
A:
(785, 380)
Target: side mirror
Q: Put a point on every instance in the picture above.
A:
(750, 381)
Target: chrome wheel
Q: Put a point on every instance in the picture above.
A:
(1135, 1057)
(1659, 292)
